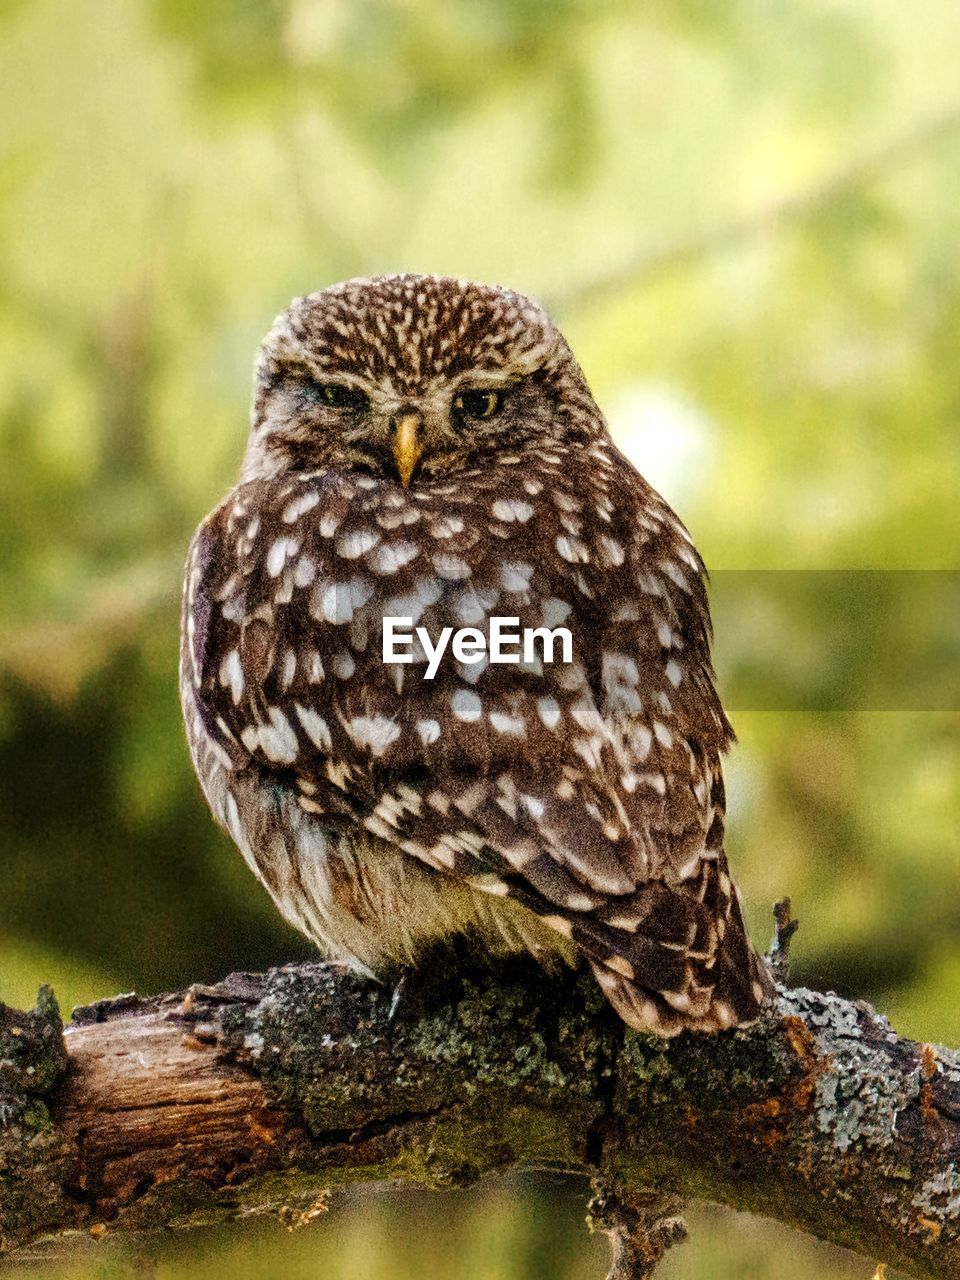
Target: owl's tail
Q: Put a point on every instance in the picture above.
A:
(688, 964)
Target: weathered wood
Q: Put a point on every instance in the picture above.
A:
(256, 1094)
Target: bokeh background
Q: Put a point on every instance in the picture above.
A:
(745, 216)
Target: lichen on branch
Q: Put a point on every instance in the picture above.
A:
(258, 1093)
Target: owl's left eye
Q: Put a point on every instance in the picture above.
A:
(337, 395)
(478, 404)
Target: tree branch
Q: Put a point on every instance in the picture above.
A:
(649, 263)
(257, 1094)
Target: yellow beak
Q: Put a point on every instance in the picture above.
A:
(407, 446)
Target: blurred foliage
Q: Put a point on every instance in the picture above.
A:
(517, 1229)
(745, 218)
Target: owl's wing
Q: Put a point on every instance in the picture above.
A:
(597, 799)
(589, 791)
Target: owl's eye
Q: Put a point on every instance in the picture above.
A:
(337, 395)
(478, 404)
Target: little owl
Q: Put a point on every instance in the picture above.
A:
(428, 449)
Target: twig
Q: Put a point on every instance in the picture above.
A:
(641, 1228)
(778, 957)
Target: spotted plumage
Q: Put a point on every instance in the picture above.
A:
(428, 448)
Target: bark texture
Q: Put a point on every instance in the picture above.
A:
(258, 1094)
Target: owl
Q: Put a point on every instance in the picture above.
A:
(427, 449)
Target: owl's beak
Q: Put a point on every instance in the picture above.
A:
(407, 445)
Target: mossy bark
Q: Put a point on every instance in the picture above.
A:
(259, 1093)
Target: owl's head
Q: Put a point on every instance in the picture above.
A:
(410, 376)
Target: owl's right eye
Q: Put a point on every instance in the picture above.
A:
(337, 395)
(478, 404)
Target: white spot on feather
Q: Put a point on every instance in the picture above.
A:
(489, 884)
(510, 509)
(343, 665)
(304, 572)
(289, 668)
(451, 567)
(723, 1013)
(516, 576)
(300, 506)
(277, 739)
(572, 549)
(619, 965)
(429, 590)
(549, 711)
(429, 731)
(374, 732)
(655, 780)
(281, 551)
(628, 611)
(620, 668)
(533, 805)
(466, 705)
(554, 611)
(446, 526)
(611, 551)
(392, 556)
(674, 574)
(338, 601)
(357, 543)
(578, 902)
(231, 673)
(513, 726)
(315, 727)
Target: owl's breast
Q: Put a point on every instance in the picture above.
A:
(302, 573)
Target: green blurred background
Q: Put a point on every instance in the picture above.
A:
(746, 218)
